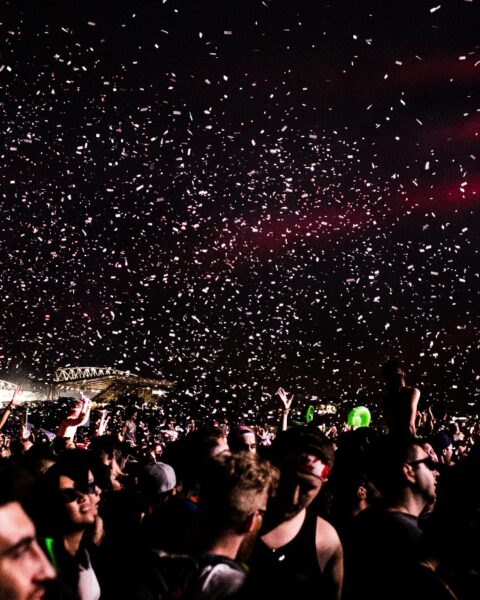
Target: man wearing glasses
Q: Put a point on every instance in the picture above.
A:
(384, 540)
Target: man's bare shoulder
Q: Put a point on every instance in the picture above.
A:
(327, 536)
(329, 547)
(410, 392)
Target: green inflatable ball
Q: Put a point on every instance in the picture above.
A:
(359, 417)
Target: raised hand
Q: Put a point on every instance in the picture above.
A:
(24, 433)
(16, 398)
(287, 401)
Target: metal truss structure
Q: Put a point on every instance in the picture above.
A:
(105, 383)
(7, 386)
(83, 373)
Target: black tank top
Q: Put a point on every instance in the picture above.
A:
(292, 568)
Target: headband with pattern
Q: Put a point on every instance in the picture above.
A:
(314, 465)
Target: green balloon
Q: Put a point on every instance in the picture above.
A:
(309, 414)
(359, 417)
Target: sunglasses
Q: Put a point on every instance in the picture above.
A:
(427, 461)
(69, 495)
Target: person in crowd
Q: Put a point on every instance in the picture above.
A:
(383, 540)
(191, 425)
(38, 460)
(24, 568)
(234, 489)
(129, 427)
(7, 411)
(157, 484)
(136, 519)
(65, 509)
(425, 422)
(298, 550)
(455, 432)
(153, 451)
(442, 444)
(242, 438)
(400, 402)
(263, 436)
(107, 472)
(170, 433)
(171, 527)
(77, 417)
(450, 541)
(350, 488)
(427, 446)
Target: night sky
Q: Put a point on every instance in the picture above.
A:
(242, 194)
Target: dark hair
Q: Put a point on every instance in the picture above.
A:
(59, 445)
(104, 443)
(235, 437)
(187, 455)
(440, 441)
(48, 508)
(385, 459)
(131, 412)
(35, 459)
(392, 369)
(302, 440)
(15, 483)
(350, 470)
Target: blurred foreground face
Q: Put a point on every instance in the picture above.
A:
(24, 568)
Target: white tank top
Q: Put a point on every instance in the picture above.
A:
(88, 586)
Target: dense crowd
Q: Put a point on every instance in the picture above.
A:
(128, 501)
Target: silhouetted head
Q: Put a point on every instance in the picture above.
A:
(393, 371)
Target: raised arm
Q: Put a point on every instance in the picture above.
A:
(413, 401)
(82, 416)
(102, 423)
(85, 414)
(13, 402)
(287, 403)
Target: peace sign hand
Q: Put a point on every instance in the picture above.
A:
(15, 401)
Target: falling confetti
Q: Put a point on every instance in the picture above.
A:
(238, 199)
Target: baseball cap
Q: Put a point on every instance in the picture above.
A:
(440, 441)
(157, 478)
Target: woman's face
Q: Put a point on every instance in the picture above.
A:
(81, 503)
